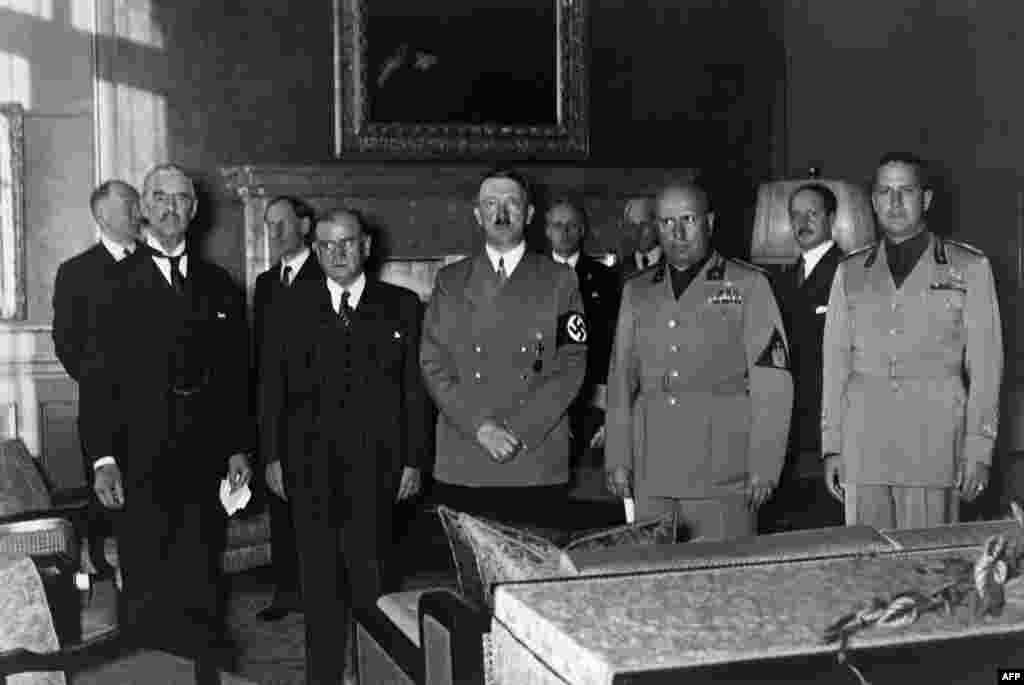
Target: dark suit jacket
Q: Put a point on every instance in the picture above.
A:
(599, 287)
(77, 293)
(626, 267)
(344, 412)
(803, 311)
(268, 286)
(144, 327)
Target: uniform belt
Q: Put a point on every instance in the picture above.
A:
(910, 369)
(669, 386)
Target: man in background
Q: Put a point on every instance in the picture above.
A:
(802, 501)
(78, 292)
(504, 354)
(641, 246)
(289, 223)
(565, 225)
(344, 416)
(910, 319)
(699, 391)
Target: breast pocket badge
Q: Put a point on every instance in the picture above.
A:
(728, 294)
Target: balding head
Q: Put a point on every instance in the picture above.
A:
(684, 222)
(169, 203)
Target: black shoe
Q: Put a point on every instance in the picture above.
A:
(284, 603)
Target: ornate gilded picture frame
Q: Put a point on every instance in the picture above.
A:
(460, 79)
(12, 212)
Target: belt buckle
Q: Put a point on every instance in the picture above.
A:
(185, 392)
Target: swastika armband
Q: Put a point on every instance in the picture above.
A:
(774, 355)
(572, 329)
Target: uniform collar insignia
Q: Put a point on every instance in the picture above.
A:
(716, 269)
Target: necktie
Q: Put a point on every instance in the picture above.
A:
(344, 310)
(177, 280)
(800, 272)
(502, 274)
(286, 276)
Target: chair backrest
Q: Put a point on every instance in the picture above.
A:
(22, 487)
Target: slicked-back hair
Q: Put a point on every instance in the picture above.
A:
(512, 175)
(301, 209)
(163, 168)
(910, 159)
(332, 216)
(577, 206)
(823, 191)
(103, 191)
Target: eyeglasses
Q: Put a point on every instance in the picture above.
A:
(166, 199)
(333, 246)
(672, 223)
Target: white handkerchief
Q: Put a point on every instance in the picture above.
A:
(233, 501)
(820, 309)
(630, 505)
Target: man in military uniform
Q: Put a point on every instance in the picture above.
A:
(504, 354)
(565, 226)
(909, 318)
(699, 391)
(801, 501)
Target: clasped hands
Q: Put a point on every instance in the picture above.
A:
(501, 443)
(969, 485)
(619, 481)
(109, 488)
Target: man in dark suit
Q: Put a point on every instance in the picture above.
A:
(344, 411)
(76, 296)
(504, 355)
(802, 500)
(565, 225)
(289, 223)
(172, 420)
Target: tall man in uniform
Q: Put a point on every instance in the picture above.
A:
(699, 391)
(344, 412)
(802, 501)
(909, 319)
(289, 223)
(77, 296)
(504, 355)
(565, 225)
(172, 422)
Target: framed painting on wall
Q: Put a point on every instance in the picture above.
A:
(461, 79)
(12, 212)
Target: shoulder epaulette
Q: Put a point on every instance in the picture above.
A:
(969, 248)
(748, 265)
(860, 251)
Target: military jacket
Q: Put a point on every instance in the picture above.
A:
(895, 405)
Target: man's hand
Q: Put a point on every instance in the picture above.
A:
(972, 484)
(597, 442)
(758, 492)
(499, 442)
(618, 481)
(410, 485)
(275, 478)
(835, 475)
(107, 485)
(239, 471)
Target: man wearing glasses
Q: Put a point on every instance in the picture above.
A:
(345, 416)
(172, 421)
(699, 388)
(913, 361)
(504, 354)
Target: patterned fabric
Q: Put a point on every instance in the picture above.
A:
(23, 488)
(25, 620)
(659, 531)
(485, 552)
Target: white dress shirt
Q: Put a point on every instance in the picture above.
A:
(116, 249)
(355, 292)
(295, 263)
(570, 261)
(165, 264)
(814, 255)
(512, 257)
(652, 257)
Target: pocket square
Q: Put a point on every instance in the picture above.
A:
(820, 309)
(222, 315)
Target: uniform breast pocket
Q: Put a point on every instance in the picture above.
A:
(947, 306)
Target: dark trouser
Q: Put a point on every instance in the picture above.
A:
(284, 553)
(543, 505)
(584, 420)
(802, 500)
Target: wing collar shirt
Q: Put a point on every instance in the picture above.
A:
(571, 260)
(165, 264)
(646, 259)
(355, 292)
(512, 257)
(296, 263)
(814, 255)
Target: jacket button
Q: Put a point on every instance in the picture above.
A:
(672, 323)
(477, 375)
(673, 348)
(895, 331)
(896, 386)
(673, 401)
(478, 349)
(523, 348)
(525, 377)
(674, 373)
